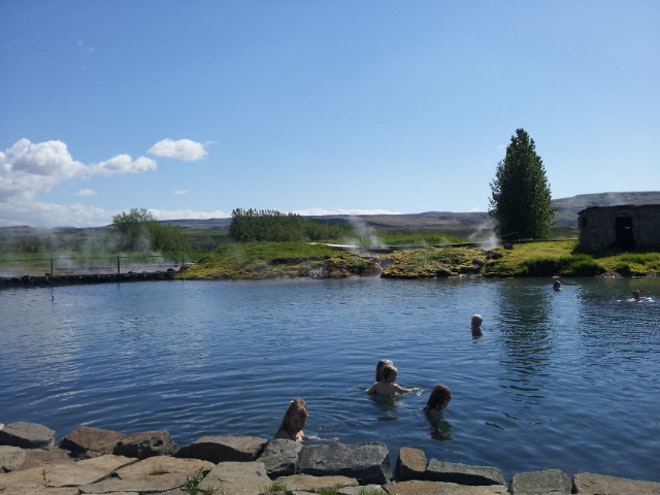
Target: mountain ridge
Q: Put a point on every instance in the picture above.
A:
(459, 222)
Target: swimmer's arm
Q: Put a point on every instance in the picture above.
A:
(403, 390)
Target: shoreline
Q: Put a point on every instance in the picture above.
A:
(94, 460)
(85, 279)
(48, 280)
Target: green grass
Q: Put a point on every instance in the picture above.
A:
(563, 258)
(532, 259)
(193, 481)
(631, 264)
(267, 260)
(278, 487)
(264, 260)
(435, 263)
(417, 239)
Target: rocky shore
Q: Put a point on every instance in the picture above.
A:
(49, 280)
(97, 461)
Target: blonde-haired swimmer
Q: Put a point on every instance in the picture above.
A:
(293, 422)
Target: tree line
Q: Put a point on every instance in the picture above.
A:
(275, 226)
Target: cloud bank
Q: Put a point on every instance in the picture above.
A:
(29, 169)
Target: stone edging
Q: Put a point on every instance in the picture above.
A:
(93, 460)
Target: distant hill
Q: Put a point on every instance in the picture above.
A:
(457, 223)
(568, 208)
(565, 218)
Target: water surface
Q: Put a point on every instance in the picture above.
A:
(566, 380)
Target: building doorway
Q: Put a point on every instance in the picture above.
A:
(624, 233)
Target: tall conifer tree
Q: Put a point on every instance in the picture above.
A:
(520, 201)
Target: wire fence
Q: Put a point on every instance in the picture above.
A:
(87, 266)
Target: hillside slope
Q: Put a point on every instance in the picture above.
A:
(461, 224)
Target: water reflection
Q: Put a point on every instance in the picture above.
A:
(386, 406)
(441, 431)
(527, 330)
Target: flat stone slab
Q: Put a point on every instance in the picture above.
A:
(145, 444)
(369, 462)
(224, 448)
(45, 490)
(310, 483)
(11, 458)
(463, 474)
(361, 490)
(600, 484)
(86, 441)
(63, 475)
(27, 435)
(237, 478)
(281, 457)
(420, 487)
(546, 482)
(411, 464)
(46, 457)
(153, 474)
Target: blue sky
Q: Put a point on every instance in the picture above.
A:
(191, 109)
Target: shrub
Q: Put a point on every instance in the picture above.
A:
(543, 267)
(582, 268)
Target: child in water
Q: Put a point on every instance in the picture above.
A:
(379, 368)
(475, 325)
(293, 422)
(386, 385)
(438, 400)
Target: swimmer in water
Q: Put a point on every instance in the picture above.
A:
(293, 422)
(386, 385)
(379, 368)
(475, 325)
(438, 400)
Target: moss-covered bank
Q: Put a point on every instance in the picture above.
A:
(260, 261)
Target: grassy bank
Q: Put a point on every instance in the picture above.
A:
(265, 260)
(289, 260)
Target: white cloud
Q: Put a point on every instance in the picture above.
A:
(179, 192)
(320, 212)
(187, 214)
(27, 169)
(184, 149)
(39, 214)
(124, 164)
(86, 192)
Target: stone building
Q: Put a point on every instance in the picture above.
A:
(622, 227)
